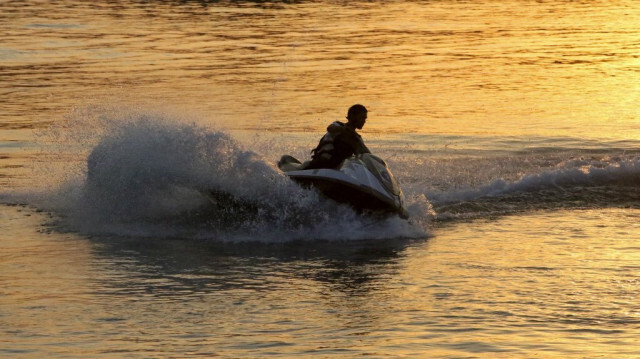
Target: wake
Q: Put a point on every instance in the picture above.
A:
(571, 184)
(151, 175)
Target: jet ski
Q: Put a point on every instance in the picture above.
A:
(364, 182)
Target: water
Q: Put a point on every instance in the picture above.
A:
(512, 127)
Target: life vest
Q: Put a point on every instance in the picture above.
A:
(338, 143)
(326, 149)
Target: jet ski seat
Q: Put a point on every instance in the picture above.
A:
(289, 163)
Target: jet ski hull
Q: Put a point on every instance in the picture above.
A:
(364, 183)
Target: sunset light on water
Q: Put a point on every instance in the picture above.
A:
(512, 128)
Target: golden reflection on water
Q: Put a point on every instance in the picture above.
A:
(506, 68)
(564, 286)
(558, 283)
(543, 280)
(46, 282)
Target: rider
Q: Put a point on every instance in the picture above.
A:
(341, 141)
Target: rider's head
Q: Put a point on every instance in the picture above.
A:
(357, 116)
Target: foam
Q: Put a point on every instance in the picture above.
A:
(136, 172)
(152, 174)
(574, 173)
(574, 183)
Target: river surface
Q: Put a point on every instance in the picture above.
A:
(512, 126)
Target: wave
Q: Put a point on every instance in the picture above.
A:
(152, 175)
(574, 183)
